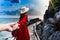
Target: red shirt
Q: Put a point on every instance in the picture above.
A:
(22, 33)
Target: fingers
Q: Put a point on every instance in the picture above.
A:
(9, 29)
(12, 26)
(15, 27)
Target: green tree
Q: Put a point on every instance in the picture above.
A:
(54, 3)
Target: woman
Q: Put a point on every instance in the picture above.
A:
(22, 33)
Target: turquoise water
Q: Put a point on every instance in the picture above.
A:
(8, 20)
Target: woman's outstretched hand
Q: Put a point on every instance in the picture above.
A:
(12, 26)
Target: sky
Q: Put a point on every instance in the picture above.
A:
(37, 7)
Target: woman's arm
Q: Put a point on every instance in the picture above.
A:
(3, 27)
(8, 27)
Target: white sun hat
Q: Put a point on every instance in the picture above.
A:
(24, 9)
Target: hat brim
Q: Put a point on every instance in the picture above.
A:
(26, 10)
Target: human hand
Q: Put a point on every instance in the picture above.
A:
(15, 26)
(12, 26)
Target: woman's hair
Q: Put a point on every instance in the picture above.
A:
(21, 16)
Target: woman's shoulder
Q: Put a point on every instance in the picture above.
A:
(26, 15)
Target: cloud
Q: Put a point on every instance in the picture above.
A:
(8, 6)
(39, 7)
